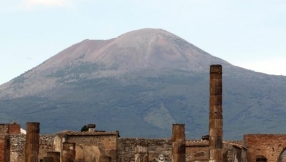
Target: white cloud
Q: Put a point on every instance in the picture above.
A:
(50, 3)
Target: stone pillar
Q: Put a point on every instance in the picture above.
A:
(55, 155)
(4, 148)
(68, 152)
(14, 129)
(104, 158)
(215, 116)
(178, 143)
(32, 142)
(48, 159)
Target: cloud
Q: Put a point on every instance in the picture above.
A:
(28, 4)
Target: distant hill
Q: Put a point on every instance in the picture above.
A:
(140, 83)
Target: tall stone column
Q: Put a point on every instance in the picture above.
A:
(215, 118)
(68, 152)
(32, 142)
(55, 155)
(178, 143)
(4, 148)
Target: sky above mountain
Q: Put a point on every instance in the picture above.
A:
(246, 33)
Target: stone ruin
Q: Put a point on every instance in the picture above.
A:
(102, 146)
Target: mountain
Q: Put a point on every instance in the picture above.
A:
(140, 83)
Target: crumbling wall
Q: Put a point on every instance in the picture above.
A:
(89, 147)
(234, 151)
(269, 146)
(9, 129)
(46, 145)
(3, 129)
(17, 147)
(197, 150)
(156, 147)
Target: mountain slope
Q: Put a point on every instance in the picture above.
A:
(139, 83)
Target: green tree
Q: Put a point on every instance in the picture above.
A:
(84, 129)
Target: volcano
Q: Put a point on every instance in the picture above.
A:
(140, 83)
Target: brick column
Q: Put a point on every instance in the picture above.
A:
(215, 116)
(14, 129)
(178, 143)
(55, 155)
(4, 148)
(32, 142)
(68, 152)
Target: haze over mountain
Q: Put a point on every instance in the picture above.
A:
(140, 83)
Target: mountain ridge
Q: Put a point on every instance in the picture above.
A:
(137, 82)
(119, 54)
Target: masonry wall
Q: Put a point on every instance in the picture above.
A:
(17, 147)
(46, 145)
(234, 152)
(156, 147)
(269, 146)
(197, 151)
(3, 129)
(10, 129)
(90, 147)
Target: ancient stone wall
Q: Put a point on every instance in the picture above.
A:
(46, 145)
(9, 129)
(233, 152)
(17, 147)
(269, 146)
(197, 150)
(91, 145)
(155, 148)
(3, 129)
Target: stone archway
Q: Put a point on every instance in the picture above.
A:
(282, 156)
(269, 146)
(260, 158)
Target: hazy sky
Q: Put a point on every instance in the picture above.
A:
(246, 33)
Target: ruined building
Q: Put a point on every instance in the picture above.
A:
(102, 146)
